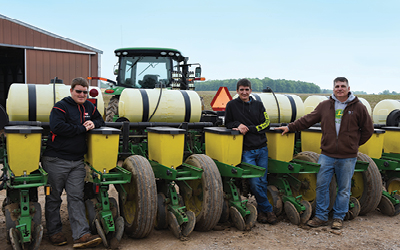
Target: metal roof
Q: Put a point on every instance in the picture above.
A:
(51, 34)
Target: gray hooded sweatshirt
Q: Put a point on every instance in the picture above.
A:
(339, 108)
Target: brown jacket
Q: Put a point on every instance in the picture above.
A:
(355, 129)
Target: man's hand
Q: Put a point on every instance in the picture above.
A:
(285, 129)
(243, 129)
(89, 125)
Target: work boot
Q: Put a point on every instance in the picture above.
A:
(58, 239)
(87, 240)
(317, 222)
(262, 217)
(271, 218)
(337, 224)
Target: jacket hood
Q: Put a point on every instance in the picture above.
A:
(240, 100)
(71, 101)
(349, 99)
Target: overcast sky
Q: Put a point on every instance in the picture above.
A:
(312, 41)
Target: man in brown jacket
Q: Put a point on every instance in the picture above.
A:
(345, 125)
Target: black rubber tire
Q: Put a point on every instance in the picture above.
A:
(161, 221)
(90, 206)
(313, 157)
(112, 108)
(140, 209)
(393, 119)
(88, 191)
(11, 219)
(308, 156)
(372, 192)
(37, 215)
(114, 207)
(225, 212)
(393, 184)
(397, 207)
(275, 199)
(207, 205)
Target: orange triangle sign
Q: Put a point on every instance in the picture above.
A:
(221, 98)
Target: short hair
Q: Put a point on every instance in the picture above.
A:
(79, 81)
(243, 82)
(340, 79)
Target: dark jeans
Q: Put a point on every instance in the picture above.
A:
(258, 186)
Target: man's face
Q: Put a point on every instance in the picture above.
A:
(341, 89)
(81, 97)
(244, 93)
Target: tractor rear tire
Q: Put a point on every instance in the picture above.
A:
(372, 186)
(207, 199)
(393, 119)
(140, 208)
(112, 108)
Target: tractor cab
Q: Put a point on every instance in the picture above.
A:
(150, 68)
(147, 69)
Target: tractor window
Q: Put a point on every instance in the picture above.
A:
(145, 72)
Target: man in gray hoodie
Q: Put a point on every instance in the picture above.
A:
(345, 125)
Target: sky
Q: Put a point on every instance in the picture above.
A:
(303, 40)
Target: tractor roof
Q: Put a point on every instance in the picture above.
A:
(164, 52)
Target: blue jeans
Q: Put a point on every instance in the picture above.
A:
(344, 170)
(258, 186)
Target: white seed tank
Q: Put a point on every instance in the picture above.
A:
(383, 109)
(33, 102)
(282, 109)
(160, 105)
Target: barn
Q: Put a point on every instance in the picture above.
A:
(29, 54)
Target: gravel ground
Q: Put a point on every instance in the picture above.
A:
(373, 231)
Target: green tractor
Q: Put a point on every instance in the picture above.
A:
(149, 68)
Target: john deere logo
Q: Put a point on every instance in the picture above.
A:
(339, 113)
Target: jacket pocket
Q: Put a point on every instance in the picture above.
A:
(328, 142)
(348, 144)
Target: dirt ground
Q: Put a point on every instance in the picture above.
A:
(373, 231)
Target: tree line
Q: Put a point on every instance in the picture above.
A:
(387, 92)
(258, 85)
